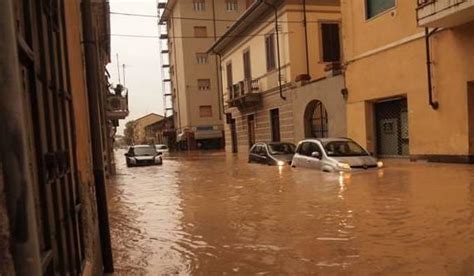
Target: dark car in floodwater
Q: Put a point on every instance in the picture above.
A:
(142, 155)
(275, 153)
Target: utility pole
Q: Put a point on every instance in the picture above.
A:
(118, 68)
(95, 118)
(123, 74)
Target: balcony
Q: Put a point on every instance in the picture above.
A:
(117, 107)
(444, 13)
(244, 94)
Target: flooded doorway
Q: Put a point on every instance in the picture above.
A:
(391, 118)
(251, 129)
(233, 133)
(470, 110)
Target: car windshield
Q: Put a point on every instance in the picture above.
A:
(280, 149)
(344, 148)
(144, 151)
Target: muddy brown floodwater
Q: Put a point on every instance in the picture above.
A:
(212, 213)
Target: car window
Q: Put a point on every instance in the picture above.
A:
(162, 147)
(314, 148)
(145, 151)
(305, 149)
(283, 148)
(344, 148)
(254, 149)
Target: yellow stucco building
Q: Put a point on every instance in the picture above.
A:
(410, 89)
(280, 66)
(139, 127)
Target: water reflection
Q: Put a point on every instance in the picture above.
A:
(211, 213)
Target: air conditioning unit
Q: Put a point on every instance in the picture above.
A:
(117, 107)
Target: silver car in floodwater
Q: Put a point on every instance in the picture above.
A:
(333, 155)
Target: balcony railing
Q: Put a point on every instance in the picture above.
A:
(117, 107)
(444, 13)
(244, 94)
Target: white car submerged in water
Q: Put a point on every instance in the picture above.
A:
(332, 155)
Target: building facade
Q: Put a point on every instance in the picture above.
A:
(139, 128)
(281, 72)
(162, 132)
(190, 28)
(55, 144)
(409, 77)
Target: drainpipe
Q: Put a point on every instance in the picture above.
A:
(305, 23)
(94, 93)
(278, 48)
(428, 34)
(219, 90)
(14, 153)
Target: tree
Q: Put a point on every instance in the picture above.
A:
(128, 132)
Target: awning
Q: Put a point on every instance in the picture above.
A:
(207, 134)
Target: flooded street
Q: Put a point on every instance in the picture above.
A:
(212, 213)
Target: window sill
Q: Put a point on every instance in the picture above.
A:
(367, 20)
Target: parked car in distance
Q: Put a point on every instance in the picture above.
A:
(162, 149)
(332, 155)
(141, 155)
(272, 153)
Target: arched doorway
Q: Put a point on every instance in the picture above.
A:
(316, 120)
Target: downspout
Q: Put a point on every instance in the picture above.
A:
(17, 181)
(278, 48)
(93, 91)
(428, 34)
(305, 23)
(219, 90)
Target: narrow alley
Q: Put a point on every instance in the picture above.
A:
(212, 213)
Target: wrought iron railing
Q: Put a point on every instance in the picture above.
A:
(243, 88)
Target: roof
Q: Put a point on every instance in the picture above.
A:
(148, 115)
(167, 12)
(243, 24)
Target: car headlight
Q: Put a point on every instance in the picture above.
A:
(344, 166)
(158, 159)
(280, 163)
(379, 164)
(133, 160)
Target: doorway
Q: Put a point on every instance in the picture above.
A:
(233, 134)
(391, 119)
(470, 110)
(251, 129)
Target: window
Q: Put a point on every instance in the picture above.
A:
(199, 5)
(251, 129)
(204, 84)
(230, 81)
(275, 123)
(231, 5)
(200, 31)
(316, 120)
(247, 68)
(205, 111)
(201, 58)
(331, 44)
(270, 51)
(375, 7)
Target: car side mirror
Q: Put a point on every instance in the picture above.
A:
(127, 155)
(316, 154)
(159, 153)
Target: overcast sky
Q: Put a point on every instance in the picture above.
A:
(141, 57)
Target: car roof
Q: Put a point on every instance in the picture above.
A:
(142, 146)
(326, 140)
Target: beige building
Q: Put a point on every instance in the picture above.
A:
(282, 83)
(191, 28)
(139, 127)
(410, 89)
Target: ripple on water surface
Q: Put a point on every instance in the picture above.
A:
(211, 213)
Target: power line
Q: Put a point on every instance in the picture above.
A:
(191, 37)
(209, 19)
